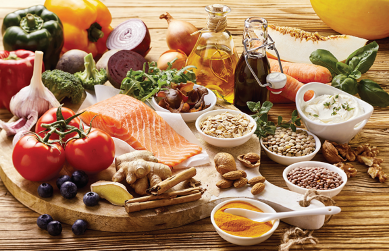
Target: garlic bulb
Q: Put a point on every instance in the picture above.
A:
(30, 103)
(35, 96)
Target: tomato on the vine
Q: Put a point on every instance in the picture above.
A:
(51, 116)
(37, 161)
(91, 154)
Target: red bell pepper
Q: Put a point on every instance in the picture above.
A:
(16, 69)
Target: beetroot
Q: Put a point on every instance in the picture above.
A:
(120, 63)
(130, 35)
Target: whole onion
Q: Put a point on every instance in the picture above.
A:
(178, 34)
(170, 55)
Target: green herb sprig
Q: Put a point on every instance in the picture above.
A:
(143, 84)
(346, 75)
(266, 127)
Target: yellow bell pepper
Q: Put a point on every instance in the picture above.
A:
(86, 24)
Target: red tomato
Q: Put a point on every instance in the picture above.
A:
(50, 117)
(91, 154)
(36, 161)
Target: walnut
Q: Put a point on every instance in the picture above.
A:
(345, 151)
(369, 161)
(348, 169)
(250, 160)
(367, 150)
(224, 162)
(330, 153)
(376, 171)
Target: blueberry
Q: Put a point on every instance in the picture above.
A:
(45, 190)
(54, 228)
(80, 178)
(43, 220)
(62, 180)
(79, 227)
(68, 190)
(91, 199)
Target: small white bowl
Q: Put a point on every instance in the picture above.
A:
(330, 192)
(210, 98)
(245, 241)
(284, 160)
(337, 132)
(224, 142)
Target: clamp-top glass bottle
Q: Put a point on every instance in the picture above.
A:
(214, 54)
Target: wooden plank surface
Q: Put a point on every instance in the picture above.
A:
(363, 223)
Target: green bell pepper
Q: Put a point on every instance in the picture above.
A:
(34, 29)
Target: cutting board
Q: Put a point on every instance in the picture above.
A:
(107, 217)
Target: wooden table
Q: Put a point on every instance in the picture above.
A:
(363, 223)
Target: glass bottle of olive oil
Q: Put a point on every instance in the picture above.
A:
(214, 54)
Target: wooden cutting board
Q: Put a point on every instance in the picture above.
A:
(107, 217)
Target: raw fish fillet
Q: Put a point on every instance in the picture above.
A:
(134, 122)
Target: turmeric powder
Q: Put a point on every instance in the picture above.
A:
(240, 226)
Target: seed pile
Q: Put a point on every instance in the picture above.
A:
(226, 125)
(285, 142)
(318, 178)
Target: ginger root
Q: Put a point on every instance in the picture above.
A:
(114, 192)
(141, 170)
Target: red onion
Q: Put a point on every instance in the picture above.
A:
(130, 35)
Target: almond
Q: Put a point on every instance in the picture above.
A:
(232, 175)
(223, 184)
(240, 182)
(258, 188)
(258, 179)
(244, 175)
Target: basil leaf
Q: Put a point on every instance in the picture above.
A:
(294, 113)
(343, 68)
(355, 74)
(279, 121)
(266, 106)
(326, 59)
(363, 58)
(345, 83)
(372, 93)
(251, 106)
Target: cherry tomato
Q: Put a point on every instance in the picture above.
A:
(91, 154)
(50, 117)
(36, 161)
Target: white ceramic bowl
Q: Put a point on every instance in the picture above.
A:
(337, 132)
(284, 160)
(245, 241)
(210, 98)
(224, 142)
(329, 193)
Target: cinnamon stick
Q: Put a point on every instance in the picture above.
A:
(168, 183)
(138, 206)
(168, 195)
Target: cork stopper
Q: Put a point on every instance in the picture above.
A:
(217, 19)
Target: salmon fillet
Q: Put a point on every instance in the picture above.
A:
(134, 122)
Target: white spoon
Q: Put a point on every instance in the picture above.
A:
(263, 217)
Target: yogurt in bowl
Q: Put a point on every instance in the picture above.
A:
(335, 119)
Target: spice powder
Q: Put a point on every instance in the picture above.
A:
(240, 226)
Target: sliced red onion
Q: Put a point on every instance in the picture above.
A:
(130, 35)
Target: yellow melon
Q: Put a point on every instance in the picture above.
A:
(367, 19)
(296, 45)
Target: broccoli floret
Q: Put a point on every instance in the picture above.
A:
(63, 84)
(91, 76)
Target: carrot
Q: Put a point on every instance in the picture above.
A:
(291, 88)
(302, 72)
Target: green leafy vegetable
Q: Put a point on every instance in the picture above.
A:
(363, 58)
(142, 85)
(326, 59)
(372, 93)
(347, 84)
(345, 75)
(266, 127)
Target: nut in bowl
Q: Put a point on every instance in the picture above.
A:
(209, 99)
(287, 147)
(254, 233)
(225, 127)
(332, 114)
(327, 179)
